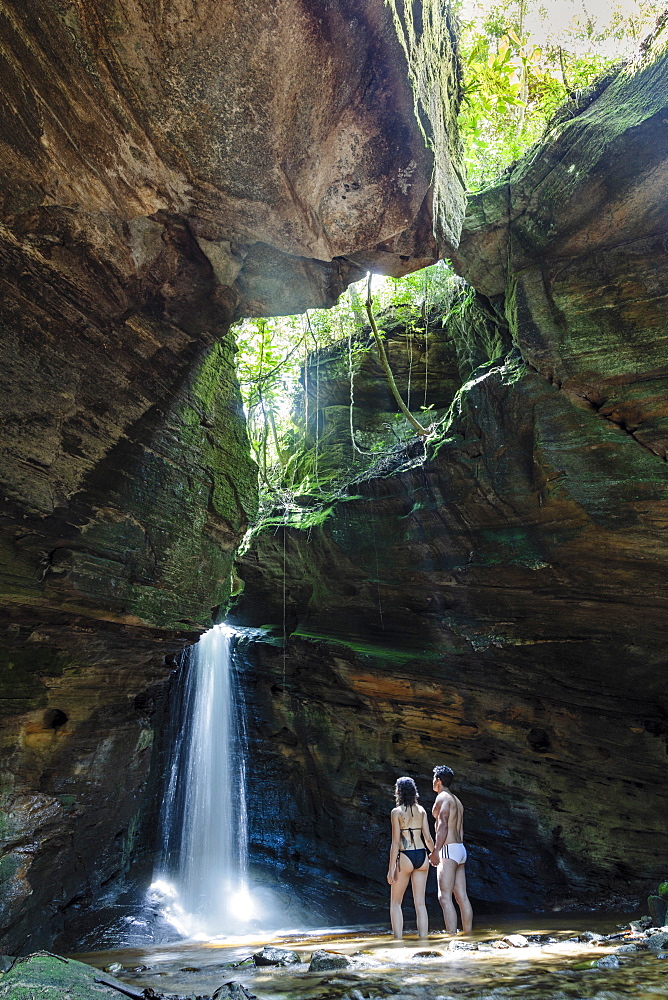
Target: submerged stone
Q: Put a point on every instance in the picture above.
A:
(463, 946)
(607, 962)
(325, 961)
(233, 991)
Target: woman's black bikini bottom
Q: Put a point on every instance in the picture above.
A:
(417, 858)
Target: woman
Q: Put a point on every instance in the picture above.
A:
(409, 856)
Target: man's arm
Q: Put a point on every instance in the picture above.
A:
(442, 818)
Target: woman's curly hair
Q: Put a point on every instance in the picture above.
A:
(405, 792)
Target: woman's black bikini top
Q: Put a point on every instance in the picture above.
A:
(405, 829)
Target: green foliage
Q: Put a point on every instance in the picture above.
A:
(663, 890)
(523, 58)
(277, 357)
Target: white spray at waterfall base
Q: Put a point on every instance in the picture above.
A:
(201, 884)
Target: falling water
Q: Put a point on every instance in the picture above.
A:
(202, 875)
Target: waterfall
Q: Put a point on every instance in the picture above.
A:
(203, 870)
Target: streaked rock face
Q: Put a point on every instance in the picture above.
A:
(502, 606)
(575, 242)
(166, 168)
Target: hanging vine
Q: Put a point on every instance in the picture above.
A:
(385, 365)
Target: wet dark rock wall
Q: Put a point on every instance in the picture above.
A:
(501, 606)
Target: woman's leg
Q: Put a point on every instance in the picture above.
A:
(419, 885)
(398, 889)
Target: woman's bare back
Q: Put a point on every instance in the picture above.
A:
(411, 819)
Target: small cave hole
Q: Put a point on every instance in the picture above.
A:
(539, 741)
(54, 718)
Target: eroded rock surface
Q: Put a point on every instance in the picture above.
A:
(501, 606)
(165, 169)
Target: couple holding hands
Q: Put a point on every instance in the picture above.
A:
(413, 849)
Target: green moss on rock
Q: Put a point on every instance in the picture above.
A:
(50, 977)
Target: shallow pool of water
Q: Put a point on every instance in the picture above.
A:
(559, 969)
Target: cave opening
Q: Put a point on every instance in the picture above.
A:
(54, 718)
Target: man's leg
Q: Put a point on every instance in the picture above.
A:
(462, 898)
(447, 870)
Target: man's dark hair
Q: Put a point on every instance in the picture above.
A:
(444, 774)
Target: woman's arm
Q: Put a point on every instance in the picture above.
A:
(394, 846)
(426, 833)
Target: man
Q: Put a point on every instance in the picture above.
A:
(449, 854)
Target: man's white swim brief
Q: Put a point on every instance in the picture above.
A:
(455, 852)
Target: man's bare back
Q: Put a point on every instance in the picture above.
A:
(449, 854)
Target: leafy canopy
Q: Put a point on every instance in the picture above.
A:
(275, 359)
(523, 58)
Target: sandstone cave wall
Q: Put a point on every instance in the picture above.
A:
(164, 169)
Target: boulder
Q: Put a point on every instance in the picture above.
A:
(592, 937)
(276, 956)
(516, 940)
(658, 941)
(42, 974)
(658, 907)
(326, 961)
